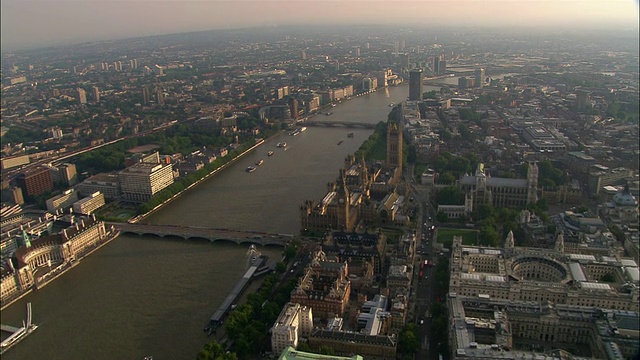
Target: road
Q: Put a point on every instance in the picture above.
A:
(423, 292)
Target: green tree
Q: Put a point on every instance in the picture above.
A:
(447, 178)
(442, 217)
(326, 350)
(289, 252)
(450, 195)
(489, 236)
(408, 343)
(215, 351)
(429, 95)
(281, 267)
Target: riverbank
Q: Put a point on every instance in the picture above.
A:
(222, 167)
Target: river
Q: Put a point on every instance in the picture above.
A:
(141, 296)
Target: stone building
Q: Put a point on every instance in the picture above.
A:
(539, 275)
(324, 287)
(34, 259)
(294, 321)
(501, 192)
(363, 252)
(483, 327)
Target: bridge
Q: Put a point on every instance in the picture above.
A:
(347, 124)
(211, 234)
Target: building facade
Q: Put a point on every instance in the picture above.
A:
(62, 201)
(415, 85)
(294, 321)
(88, 205)
(141, 181)
(539, 275)
(34, 260)
(501, 192)
(324, 287)
(35, 181)
(107, 184)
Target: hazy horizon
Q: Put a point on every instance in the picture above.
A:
(32, 24)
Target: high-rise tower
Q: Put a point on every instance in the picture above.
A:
(82, 96)
(96, 93)
(394, 139)
(145, 95)
(479, 75)
(415, 84)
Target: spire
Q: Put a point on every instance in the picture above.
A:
(509, 243)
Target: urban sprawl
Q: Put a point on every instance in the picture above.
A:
(498, 218)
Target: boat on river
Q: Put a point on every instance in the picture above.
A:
(251, 169)
(281, 145)
(350, 135)
(270, 153)
(259, 162)
(340, 142)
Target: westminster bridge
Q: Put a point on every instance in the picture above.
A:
(211, 234)
(347, 124)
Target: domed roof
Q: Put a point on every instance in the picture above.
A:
(624, 198)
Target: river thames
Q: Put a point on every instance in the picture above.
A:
(145, 296)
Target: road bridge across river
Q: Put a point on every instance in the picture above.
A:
(211, 234)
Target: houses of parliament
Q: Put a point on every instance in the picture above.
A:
(363, 195)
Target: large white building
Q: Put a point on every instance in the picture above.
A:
(107, 184)
(62, 201)
(141, 181)
(294, 321)
(541, 275)
(88, 205)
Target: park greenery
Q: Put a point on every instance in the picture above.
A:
(549, 176)
(374, 149)
(455, 166)
(247, 327)
(445, 236)
(215, 351)
(430, 95)
(494, 223)
(471, 115)
(408, 342)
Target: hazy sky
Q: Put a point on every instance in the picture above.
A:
(50, 22)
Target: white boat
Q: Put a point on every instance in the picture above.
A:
(270, 153)
(251, 169)
(259, 162)
(282, 145)
(303, 128)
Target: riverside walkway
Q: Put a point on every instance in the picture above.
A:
(211, 234)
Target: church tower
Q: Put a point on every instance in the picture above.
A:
(343, 197)
(394, 139)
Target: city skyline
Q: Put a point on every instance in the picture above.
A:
(44, 23)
